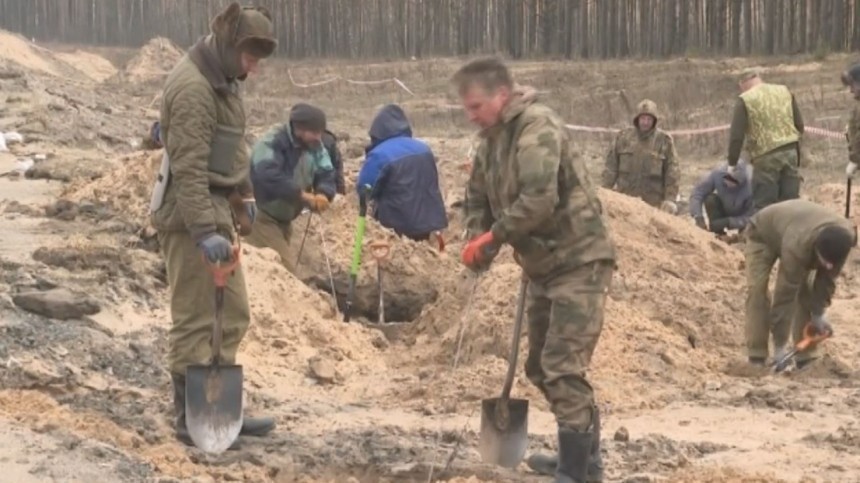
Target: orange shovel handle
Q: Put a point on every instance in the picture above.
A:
(220, 270)
(811, 338)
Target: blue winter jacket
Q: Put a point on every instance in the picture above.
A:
(401, 172)
(737, 201)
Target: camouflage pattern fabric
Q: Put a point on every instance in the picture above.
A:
(530, 188)
(770, 119)
(565, 319)
(775, 178)
(643, 165)
(786, 232)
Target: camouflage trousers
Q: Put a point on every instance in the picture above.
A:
(565, 318)
(192, 305)
(268, 232)
(785, 316)
(775, 177)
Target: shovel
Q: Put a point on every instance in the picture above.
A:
(356, 252)
(380, 250)
(213, 401)
(504, 421)
(810, 339)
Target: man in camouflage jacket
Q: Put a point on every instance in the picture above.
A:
(202, 127)
(767, 121)
(530, 189)
(811, 243)
(642, 161)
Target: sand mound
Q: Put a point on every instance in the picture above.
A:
(92, 65)
(673, 319)
(154, 60)
(293, 324)
(126, 189)
(17, 49)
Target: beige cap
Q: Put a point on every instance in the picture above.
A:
(749, 73)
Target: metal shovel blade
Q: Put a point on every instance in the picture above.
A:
(213, 405)
(504, 431)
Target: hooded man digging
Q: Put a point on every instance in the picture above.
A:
(530, 188)
(202, 127)
(726, 197)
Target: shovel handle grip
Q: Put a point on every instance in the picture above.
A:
(811, 338)
(221, 271)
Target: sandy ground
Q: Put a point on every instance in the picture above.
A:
(87, 398)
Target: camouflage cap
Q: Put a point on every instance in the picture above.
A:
(646, 106)
(749, 73)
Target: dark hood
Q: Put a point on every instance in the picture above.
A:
(390, 123)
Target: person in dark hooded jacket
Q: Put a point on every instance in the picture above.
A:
(400, 172)
(293, 166)
(727, 199)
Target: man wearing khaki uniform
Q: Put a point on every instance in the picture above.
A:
(768, 122)
(811, 243)
(202, 128)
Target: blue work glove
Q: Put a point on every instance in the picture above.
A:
(251, 208)
(216, 248)
(821, 325)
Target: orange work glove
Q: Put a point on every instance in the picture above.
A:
(479, 252)
(317, 203)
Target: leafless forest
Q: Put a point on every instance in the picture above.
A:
(592, 29)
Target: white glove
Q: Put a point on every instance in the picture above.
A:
(850, 169)
(731, 169)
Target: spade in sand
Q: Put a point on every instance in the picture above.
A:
(504, 421)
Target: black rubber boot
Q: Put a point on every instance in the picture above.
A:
(545, 464)
(574, 450)
(179, 409)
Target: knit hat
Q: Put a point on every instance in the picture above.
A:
(309, 117)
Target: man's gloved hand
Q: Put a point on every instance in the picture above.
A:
(317, 203)
(850, 169)
(216, 248)
(821, 325)
(669, 206)
(479, 253)
(700, 222)
(251, 208)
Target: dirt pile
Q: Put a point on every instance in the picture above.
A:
(672, 320)
(126, 188)
(152, 62)
(18, 50)
(92, 65)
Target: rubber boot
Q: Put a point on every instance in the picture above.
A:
(179, 409)
(545, 464)
(574, 451)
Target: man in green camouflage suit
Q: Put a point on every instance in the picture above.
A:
(529, 188)
(767, 119)
(811, 243)
(642, 161)
(851, 79)
(206, 161)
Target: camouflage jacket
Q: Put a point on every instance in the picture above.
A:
(530, 189)
(644, 167)
(789, 229)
